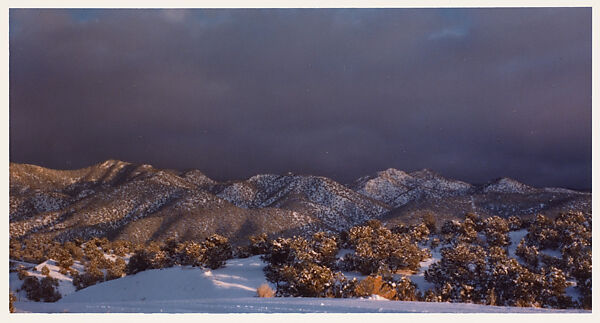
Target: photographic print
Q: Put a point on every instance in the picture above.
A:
(317, 160)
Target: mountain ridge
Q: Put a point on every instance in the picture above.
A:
(138, 202)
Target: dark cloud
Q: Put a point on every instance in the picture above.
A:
(471, 93)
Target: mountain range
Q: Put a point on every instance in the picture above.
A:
(122, 200)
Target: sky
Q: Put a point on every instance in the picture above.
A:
(472, 94)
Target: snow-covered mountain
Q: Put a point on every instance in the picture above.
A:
(397, 188)
(411, 195)
(508, 185)
(121, 200)
(336, 206)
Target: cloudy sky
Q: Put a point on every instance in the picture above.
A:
(473, 94)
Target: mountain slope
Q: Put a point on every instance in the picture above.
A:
(335, 205)
(122, 200)
(412, 195)
(138, 203)
(397, 188)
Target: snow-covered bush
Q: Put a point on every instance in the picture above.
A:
(377, 248)
(74, 249)
(91, 276)
(216, 250)
(258, 244)
(41, 290)
(470, 273)
(514, 223)
(450, 230)
(419, 232)
(189, 253)
(117, 270)
(475, 220)
(211, 253)
(463, 269)
(571, 234)
(325, 245)
(62, 256)
(121, 247)
(299, 267)
(542, 233)
(529, 254)
(496, 231)
(341, 287)
(553, 293)
(305, 279)
(469, 230)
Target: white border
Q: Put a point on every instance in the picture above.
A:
(289, 318)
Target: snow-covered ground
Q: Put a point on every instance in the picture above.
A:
(232, 289)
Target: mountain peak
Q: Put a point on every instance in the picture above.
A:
(392, 172)
(507, 185)
(112, 163)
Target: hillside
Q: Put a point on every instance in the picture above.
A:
(121, 200)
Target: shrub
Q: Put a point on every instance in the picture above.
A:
(377, 248)
(22, 273)
(431, 296)
(514, 223)
(496, 231)
(117, 270)
(375, 285)
(406, 290)
(258, 244)
(430, 221)
(34, 251)
(43, 290)
(529, 254)
(304, 279)
(139, 261)
(92, 253)
(341, 287)
(402, 289)
(542, 233)
(553, 293)
(469, 230)
(458, 275)
(241, 252)
(189, 253)
(325, 245)
(216, 251)
(62, 256)
(121, 247)
(91, 276)
(475, 220)
(11, 300)
(265, 291)
(74, 250)
(450, 230)
(298, 267)
(15, 249)
(45, 271)
(419, 232)
(468, 273)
